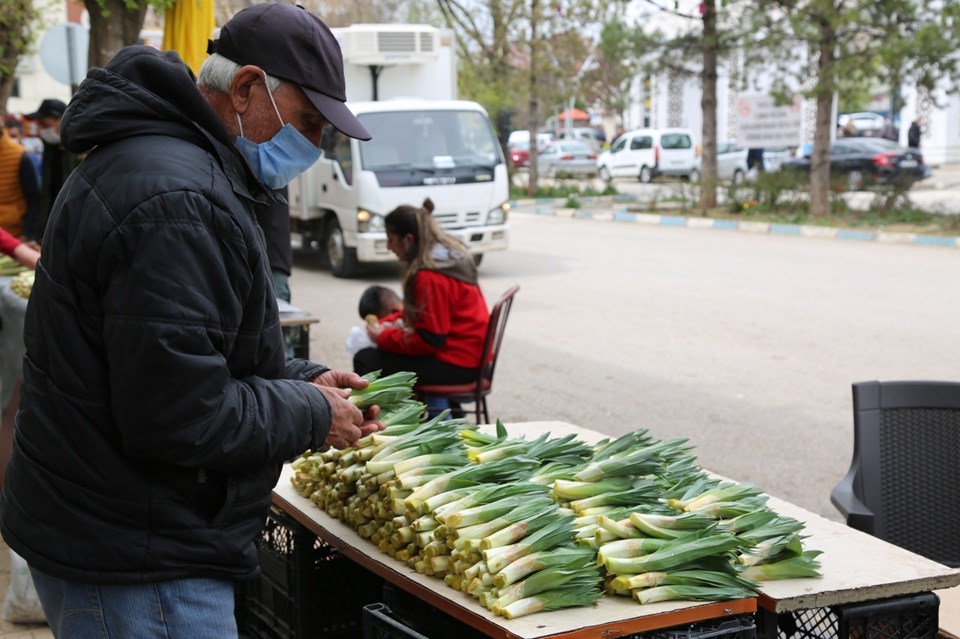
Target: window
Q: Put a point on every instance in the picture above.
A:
(618, 145)
(423, 138)
(641, 142)
(676, 141)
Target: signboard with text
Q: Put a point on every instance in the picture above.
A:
(762, 123)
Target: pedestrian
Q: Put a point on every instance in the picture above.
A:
(157, 413)
(57, 162)
(445, 315)
(913, 134)
(18, 183)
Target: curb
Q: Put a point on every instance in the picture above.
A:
(552, 208)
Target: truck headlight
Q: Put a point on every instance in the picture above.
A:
(367, 221)
(499, 214)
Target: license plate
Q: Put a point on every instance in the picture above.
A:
(908, 164)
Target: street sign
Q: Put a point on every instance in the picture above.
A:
(63, 52)
(763, 124)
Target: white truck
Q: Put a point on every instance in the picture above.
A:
(424, 145)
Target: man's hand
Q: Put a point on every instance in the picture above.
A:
(347, 422)
(340, 379)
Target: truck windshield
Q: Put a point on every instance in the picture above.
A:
(429, 141)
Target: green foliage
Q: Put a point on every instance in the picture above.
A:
(19, 22)
(570, 190)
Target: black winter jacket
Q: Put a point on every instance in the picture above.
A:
(157, 405)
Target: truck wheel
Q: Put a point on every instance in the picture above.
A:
(605, 174)
(645, 174)
(341, 258)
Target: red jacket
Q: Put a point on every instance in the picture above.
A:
(451, 326)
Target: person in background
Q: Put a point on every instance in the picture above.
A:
(18, 184)
(913, 134)
(57, 161)
(445, 315)
(381, 302)
(274, 220)
(378, 305)
(156, 417)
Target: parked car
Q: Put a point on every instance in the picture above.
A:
(862, 161)
(866, 123)
(521, 135)
(732, 163)
(589, 136)
(649, 153)
(567, 157)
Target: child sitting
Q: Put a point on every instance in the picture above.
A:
(378, 304)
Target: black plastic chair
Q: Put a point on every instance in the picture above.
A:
(903, 485)
(477, 391)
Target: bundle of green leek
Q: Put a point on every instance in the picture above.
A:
(9, 266)
(525, 526)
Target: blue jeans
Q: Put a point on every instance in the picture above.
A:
(167, 609)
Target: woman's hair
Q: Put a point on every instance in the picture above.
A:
(427, 234)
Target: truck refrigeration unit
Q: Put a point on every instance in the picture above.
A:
(401, 84)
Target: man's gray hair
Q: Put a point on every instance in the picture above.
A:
(217, 73)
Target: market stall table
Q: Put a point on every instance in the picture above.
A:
(856, 567)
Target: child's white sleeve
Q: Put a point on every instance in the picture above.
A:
(358, 340)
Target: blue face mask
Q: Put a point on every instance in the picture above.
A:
(281, 158)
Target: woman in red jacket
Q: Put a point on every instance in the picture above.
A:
(445, 315)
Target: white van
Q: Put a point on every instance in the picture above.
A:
(648, 153)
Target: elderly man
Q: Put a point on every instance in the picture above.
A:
(157, 404)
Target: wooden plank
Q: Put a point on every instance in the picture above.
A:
(611, 617)
(855, 566)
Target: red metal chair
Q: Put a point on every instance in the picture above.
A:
(476, 392)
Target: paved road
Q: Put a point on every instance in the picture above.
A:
(745, 344)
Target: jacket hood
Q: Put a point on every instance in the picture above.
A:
(123, 100)
(454, 264)
(141, 92)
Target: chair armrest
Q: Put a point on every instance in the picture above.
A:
(846, 501)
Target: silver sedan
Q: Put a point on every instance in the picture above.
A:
(567, 157)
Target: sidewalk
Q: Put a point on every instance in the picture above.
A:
(943, 176)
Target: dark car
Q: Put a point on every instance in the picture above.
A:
(860, 162)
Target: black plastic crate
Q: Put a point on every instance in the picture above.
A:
(379, 622)
(909, 617)
(735, 627)
(307, 588)
(424, 618)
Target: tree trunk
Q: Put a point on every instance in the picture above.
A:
(708, 104)
(820, 160)
(533, 174)
(6, 86)
(112, 27)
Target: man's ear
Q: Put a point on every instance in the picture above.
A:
(241, 88)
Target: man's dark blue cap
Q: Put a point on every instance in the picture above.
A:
(290, 43)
